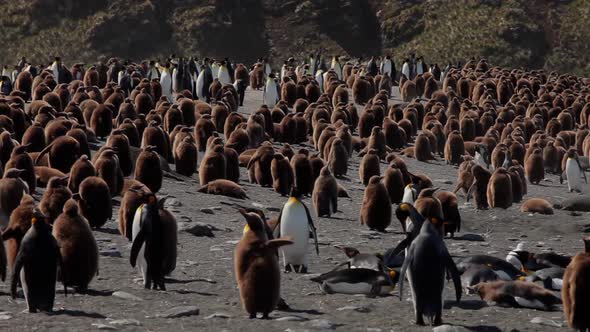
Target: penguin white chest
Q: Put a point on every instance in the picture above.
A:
(574, 175)
(295, 225)
(141, 262)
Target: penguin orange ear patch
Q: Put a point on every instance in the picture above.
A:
(152, 200)
(434, 221)
(404, 207)
(392, 273)
(33, 220)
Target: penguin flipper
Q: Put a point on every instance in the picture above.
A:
(391, 253)
(582, 170)
(277, 229)
(60, 263)
(313, 229)
(452, 269)
(136, 247)
(407, 261)
(18, 265)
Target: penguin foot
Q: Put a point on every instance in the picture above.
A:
(252, 315)
(419, 320)
(302, 269)
(437, 320)
(288, 268)
(265, 315)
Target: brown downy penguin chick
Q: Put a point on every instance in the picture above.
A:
(12, 189)
(107, 168)
(393, 180)
(78, 247)
(185, 156)
(465, 176)
(430, 207)
(44, 174)
(132, 199)
(303, 171)
(148, 169)
(225, 188)
(454, 148)
(20, 159)
(18, 225)
(81, 169)
(500, 189)
(7, 145)
(232, 164)
(533, 167)
(450, 208)
(203, 130)
(63, 153)
(338, 158)
(101, 121)
(551, 160)
(287, 151)
(120, 143)
(54, 198)
(517, 189)
(422, 148)
(325, 194)
(282, 174)
(376, 207)
(369, 166)
(479, 187)
(256, 266)
(213, 165)
(516, 294)
(536, 205)
(576, 291)
(259, 166)
(377, 142)
(94, 200)
(156, 137)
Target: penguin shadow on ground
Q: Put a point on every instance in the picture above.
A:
(76, 313)
(465, 304)
(301, 311)
(112, 231)
(186, 291)
(92, 292)
(468, 237)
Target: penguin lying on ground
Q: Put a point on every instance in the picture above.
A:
(358, 281)
(502, 268)
(517, 294)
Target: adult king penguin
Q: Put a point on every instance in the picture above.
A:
(388, 67)
(295, 222)
(337, 67)
(223, 74)
(271, 92)
(166, 81)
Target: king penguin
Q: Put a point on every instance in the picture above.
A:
(36, 265)
(426, 264)
(337, 67)
(406, 69)
(319, 77)
(223, 74)
(271, 92)
(166, 82)
(388, 67)
(574, 172)
(295, 222)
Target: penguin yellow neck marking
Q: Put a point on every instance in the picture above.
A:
(293, 200)
(246, 229)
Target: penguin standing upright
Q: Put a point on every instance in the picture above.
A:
(271, 92)
(426, 263)
(166, 82)
(319, 77)
(36, 265)
(295, 222)
(388, 67)
(204, 80)
(573, 172)
(337, 67)
(406, 68)
(223, 74)
(149, 243)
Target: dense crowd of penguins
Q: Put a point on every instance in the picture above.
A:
(503, 128)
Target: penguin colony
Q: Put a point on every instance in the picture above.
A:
(72, 140)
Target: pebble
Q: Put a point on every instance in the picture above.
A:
(472, 237)
(545, 321)
(291, 319)
(183, 311)
(172, 202)
(126, 296)
(323, 324)
(362, 309)
(207, 211)
(201, 229)
(125, 322)
(216, 208)
(218, 315)
(104, 326)
(4, 315)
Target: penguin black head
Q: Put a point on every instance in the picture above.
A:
(295, 193)
(587, 244)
